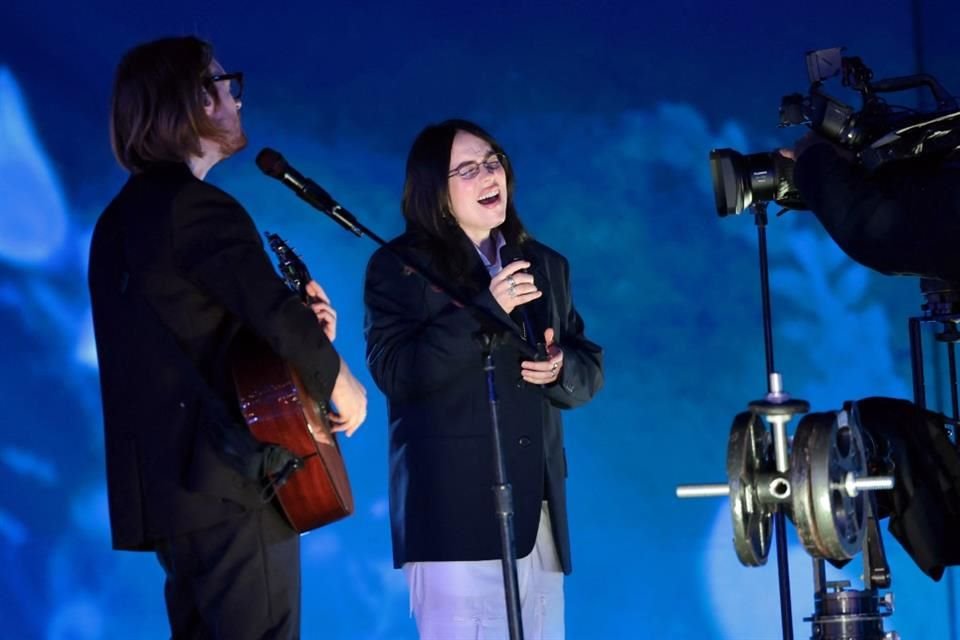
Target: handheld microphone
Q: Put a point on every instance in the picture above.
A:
(274, 165)
(532, 335)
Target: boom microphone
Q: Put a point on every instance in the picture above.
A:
(274, 165)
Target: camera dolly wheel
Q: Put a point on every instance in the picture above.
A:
(749, 454)
(829, 512)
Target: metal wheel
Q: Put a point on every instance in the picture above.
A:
(749, 451)
(826, 448)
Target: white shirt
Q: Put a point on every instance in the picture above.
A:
(493, 268)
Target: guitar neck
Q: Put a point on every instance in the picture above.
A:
(292, 269)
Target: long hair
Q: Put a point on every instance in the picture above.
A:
(157, 109)
(426, 197)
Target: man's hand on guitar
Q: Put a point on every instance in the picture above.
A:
(320, 305)
(349, 402)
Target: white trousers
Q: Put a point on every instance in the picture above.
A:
(465, 600)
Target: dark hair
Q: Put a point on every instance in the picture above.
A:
(157, 109)
(426, 197)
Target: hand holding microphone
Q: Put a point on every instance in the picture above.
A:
(513, 286)
(546, 368)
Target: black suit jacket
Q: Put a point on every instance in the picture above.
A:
(177, 268)
(424, 355)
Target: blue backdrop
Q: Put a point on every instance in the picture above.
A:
(608, 110)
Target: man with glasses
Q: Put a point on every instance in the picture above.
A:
(177, 270)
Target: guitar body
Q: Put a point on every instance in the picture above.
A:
(278, 410)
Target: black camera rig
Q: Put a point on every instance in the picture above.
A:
(876, 134)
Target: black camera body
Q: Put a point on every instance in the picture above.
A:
(876, 134)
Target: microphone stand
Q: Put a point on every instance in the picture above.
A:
(503, 492)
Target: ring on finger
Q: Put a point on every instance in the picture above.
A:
(511, 282)
(555, 366)
(512, 291)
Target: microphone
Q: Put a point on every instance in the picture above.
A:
(533, 336)
(274, 165)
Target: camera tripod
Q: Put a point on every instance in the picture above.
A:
(940, 310)
(820, 480)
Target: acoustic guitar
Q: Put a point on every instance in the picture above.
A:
(313, 489)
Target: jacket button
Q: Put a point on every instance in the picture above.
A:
(524, 441)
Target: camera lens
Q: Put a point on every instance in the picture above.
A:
(734, 179)
(739, 180)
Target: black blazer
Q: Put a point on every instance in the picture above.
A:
(424, 355)
(177, 268)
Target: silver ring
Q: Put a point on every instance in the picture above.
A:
(511, 282)
(556, 365)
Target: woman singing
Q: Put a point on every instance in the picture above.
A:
(426, 351)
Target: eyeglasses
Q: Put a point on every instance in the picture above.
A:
(470, 170)
(236, 82)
